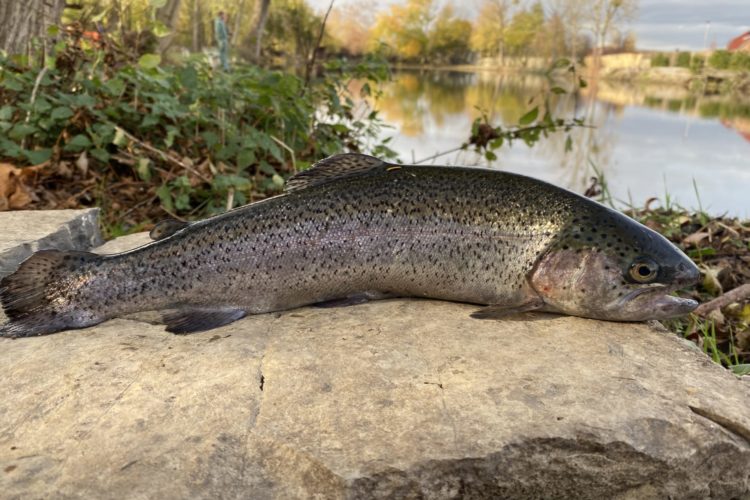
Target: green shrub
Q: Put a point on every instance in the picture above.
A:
(659, 60)
(683, 60)
(740, 61)
(188, 137)
(720, 59)
(697, 62)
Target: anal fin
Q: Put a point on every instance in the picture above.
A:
(499, 311)
(198, 319)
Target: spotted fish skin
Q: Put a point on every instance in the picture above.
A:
(352, 226)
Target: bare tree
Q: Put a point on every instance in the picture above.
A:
(22, 21)
(260, 24)
(572, 13)
(604, 16)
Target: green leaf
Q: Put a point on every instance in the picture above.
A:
(568, 144)
(160, 30)
(84, 101)
(61, 113)
(149, 61)
(158, 4)
(144, 169)
(100, 154)
(78, 143)
(21, 130)
(38, 156)
(12, 84)
(115, 86)
(211, 138)
(490, 156)
(6, 112)
(188, 77)
(529, 117)
(53, 31)
(557, 90)
(582, 83)
(743, 369)
(245, 158)
(165, 196)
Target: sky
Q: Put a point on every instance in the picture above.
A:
(660, 25)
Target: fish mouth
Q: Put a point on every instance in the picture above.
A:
(656, 302)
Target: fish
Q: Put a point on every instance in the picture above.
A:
(354, 228)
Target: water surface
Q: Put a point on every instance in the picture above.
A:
(647, 141)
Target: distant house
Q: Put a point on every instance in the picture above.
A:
(742, 42)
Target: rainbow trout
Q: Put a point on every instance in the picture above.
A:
(354, 228)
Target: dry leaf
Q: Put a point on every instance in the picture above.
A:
(695, 238)
(14, 194)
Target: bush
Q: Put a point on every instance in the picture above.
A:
(683, 60)
(187, 138)
(659, 60)
(720, 59)
(740, 61)
(697, 62)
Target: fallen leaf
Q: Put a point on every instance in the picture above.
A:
(14, 194)
(695, 238)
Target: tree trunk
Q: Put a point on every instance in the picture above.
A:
(260, 26)
(234, 35)
(22, 21)
(197, 26)
(168, 16)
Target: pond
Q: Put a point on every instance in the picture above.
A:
(654, 141)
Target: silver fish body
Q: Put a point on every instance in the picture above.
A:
(354, 227)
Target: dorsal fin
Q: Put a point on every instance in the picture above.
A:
(166, 228)
(333, 167)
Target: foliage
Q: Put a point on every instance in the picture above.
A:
(525, 29)
(697, 63)
(183, 140)
(659, 60)
(488, 36)
(448, 40)
(682, 60)
(720, 59)
(740, 61)
(536, 123)
(401, 32)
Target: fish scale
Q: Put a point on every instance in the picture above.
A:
(351, 227)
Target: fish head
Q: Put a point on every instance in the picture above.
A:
(605, 265)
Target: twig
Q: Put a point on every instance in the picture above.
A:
(740, 293)
(291, 151)
(37, 82)
(163, 155)
(230, 199)
(438, 155)
(311, 61)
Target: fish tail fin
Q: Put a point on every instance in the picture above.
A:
(39, 297)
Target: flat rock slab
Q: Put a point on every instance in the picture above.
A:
(24, 232)
(391, 399)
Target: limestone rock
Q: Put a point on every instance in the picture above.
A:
(26, 231)
(391, 399)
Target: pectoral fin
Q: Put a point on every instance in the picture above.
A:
(198, 319)
(353, 300)
(499, 311)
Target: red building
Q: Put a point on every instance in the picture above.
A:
(742, 42)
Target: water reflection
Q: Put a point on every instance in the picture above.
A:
(645, 139)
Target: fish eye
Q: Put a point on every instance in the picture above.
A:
(643, 270)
